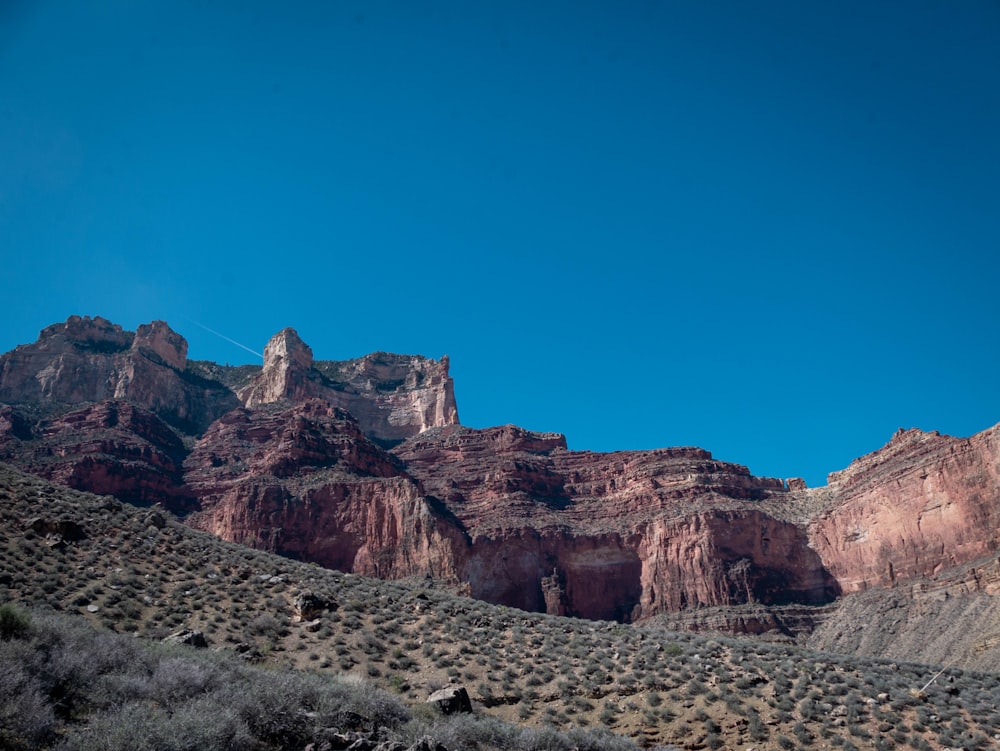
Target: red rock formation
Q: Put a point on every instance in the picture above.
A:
(111, 448)
(622, 536)
(157, 341)
(286, 374)
(922, 503)
(513, 514)
(304, 481)
(91, 359)
(393, 396)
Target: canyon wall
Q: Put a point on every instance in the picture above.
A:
(304, 481)
(922, 503)
(91, 360)
(361, 465)
(620, 536)
(110, 447)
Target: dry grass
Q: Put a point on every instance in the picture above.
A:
(138, 571)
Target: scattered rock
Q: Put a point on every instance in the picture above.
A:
(247, 652)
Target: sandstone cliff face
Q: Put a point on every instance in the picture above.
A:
(87, 405)
(922, 503)
(91, 359)
(304, 481)
(619, 536)
(393, 396)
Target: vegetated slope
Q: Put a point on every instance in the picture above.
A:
(139, 571)
(69, 686)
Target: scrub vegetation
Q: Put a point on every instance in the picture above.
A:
(295, 651)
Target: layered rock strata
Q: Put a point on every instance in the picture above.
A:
(923, 503)
(111, 448)
(91, 360)
(360, 465)
(304, 481)
(619, 536)
(393, 396)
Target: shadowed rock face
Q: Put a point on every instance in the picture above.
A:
(112, 448)
(617, 536)
(295, 458)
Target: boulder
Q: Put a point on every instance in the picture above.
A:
(188, 637)
(308, 605)
(451, 700)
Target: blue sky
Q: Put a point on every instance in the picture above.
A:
(768, 229)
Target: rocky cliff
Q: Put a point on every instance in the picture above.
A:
(392, 396)
(360, 465)
(621, 536)
(304, 481)
(923, 503)
(110, 447)
(90, 360)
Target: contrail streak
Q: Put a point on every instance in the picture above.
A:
(223, 336)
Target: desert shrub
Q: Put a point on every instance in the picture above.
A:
(177, 678)
(469, 731)
(14, 623)
(758, 730)
(96, 690)
(201, 723)
(27, 720)
(696, 687)
(267, 625)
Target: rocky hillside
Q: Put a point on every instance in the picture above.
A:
(362, 466)
(145, 575)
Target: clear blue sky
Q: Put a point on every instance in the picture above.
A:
(768, 229)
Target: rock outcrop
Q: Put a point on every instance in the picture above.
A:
(304, 481)
(91, 360)
(286, 375)
(111, 448)
(619, 536)
(393, 396)
(923, 503)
